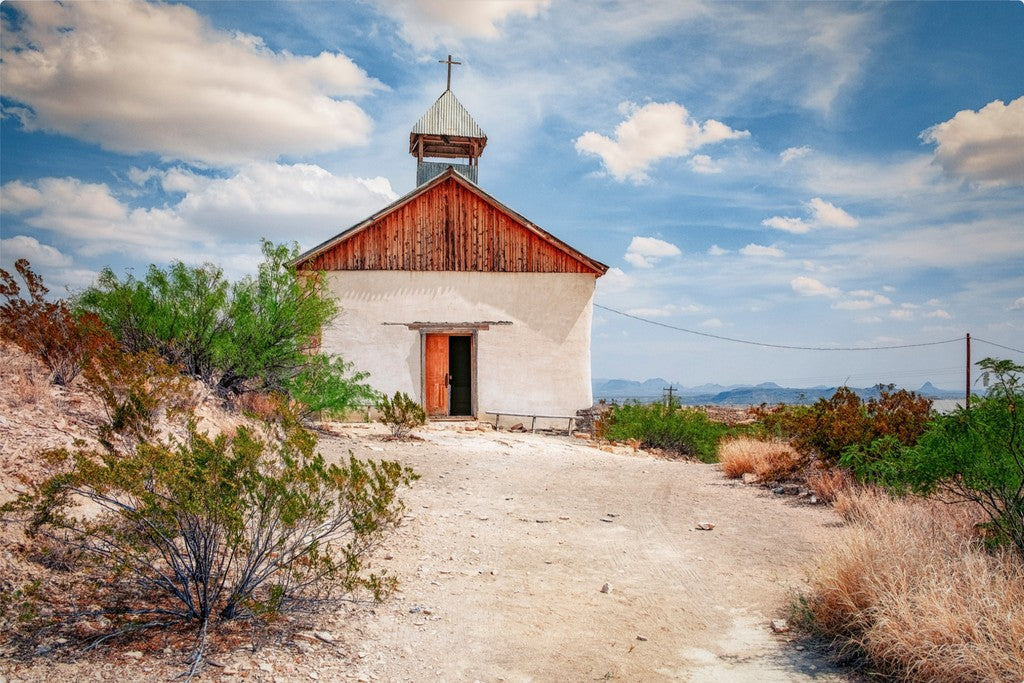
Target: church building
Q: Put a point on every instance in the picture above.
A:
(455, 299)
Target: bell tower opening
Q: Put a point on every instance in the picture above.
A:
(446, 131)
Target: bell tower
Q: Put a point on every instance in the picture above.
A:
(446, 131)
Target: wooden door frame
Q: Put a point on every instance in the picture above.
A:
(470, 332)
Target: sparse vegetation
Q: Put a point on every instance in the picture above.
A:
(685, 432)
(401, 414)
(205, 528)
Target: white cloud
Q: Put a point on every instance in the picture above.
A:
(823, 214)
(985, 145)
(1018, 305)
(953, 245)
(939, 313)
(645, 252)
(705, 165)
(715, 250)
(808, 286)
(761, 250)
(901, 314)
(425, 24)
(24, 247)
(298, 202)
(614, 281)
(791, 153)
(869, 320)
(142, 77)
(650, 133)
(862, 300)
(712, 323)
(663, 311)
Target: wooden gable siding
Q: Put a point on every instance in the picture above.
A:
(447, 228)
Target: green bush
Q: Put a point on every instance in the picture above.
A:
(401, 414)
(220, 526)
(330, 386)
(977, 455)
(254, 335)
(684, 431)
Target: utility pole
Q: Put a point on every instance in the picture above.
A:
(669, 391)
(967, 397)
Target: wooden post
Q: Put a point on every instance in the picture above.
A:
(967, 397)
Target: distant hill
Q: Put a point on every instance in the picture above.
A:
(652, 390)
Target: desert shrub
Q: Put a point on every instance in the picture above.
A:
(401, 414)
(769, 460)
(220, 527)
(177, 312)
(274, 320)
(134, 388)
(977, 455)
(329, 386)
(906, 588)
(830, 426)
(45, 329)
(251, 335)
(683, 431)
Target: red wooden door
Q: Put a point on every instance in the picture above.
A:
(436, 374)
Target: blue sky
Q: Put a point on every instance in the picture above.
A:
(809, 174)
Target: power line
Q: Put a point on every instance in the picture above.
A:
(782, 346)
(983, 341)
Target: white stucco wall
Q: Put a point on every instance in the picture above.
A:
(538, 364)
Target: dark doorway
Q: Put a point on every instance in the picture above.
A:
(460, 369)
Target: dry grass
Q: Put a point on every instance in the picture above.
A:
(769, 460)
(828, 483)
(909, 587)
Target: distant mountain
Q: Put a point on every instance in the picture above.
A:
(929, 390)
(652, 390)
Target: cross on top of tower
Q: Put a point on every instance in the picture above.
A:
(449, 62)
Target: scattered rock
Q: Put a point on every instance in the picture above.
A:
(542, 521)
(607, 519)
(814, 500)
(266, 666)
(750, 478)
(133, 654)
(704, 526)
(780, 626)
(606, 588)
(324, 636)
(642, 639)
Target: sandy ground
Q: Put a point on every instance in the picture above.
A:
(510, 538)
(507, 543)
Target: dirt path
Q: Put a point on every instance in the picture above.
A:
(508, 541)
(510, 538)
